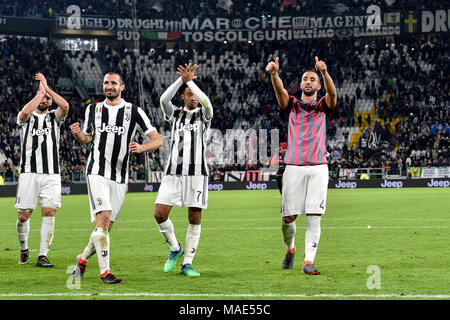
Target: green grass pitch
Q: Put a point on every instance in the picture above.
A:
(375, 244)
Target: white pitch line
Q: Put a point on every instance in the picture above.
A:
(243, 295)
(390, 219)
(394, 227)
(256, 228)
(277, 219)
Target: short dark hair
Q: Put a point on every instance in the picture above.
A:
(184, 86)
(115, 73)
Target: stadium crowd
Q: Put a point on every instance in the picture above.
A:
(176, 9)
(411, 100)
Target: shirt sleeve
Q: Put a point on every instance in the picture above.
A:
(166, 105)
(59, 120)
(293, 102)
(21, 123)
(144, 123)
(87, 127)
(323, 107)
(207, 109)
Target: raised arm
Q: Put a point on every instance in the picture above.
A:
(281, 93)
(164, 101)
(63, 105)
(26, 111)
(331, 95)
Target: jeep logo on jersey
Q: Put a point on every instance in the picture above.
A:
(111, 129)
(188, 127)
(40, 132)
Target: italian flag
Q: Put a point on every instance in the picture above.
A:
(161, 35)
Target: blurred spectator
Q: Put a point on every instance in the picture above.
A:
(418, 124)
(176, 9)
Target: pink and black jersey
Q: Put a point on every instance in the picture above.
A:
(306, 132)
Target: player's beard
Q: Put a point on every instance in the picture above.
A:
(42, 107)
(309, 93)
(192, 105)
(111, 95)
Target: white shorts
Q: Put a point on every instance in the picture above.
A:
(304, 190)
(183, 191)
(34, 186)
(105, 195)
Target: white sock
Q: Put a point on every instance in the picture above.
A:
(312, 237)
(89, 251)
(192, 239)
(23, 228)
(101, 241)
(168, 232)
(289, 230)
(47, 233)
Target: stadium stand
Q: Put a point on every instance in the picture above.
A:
(396, 87)
(175, 9)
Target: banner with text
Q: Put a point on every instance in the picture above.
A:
(437, 172)
(263, 28)
(253, 28)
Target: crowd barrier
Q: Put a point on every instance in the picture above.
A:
(80, 188)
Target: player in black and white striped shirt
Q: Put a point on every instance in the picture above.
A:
(113, 129)
(188, 136)
(110, 127)
(185, 183)
(39, 167)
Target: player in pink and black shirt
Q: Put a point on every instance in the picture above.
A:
(305, 180)
(306, 132)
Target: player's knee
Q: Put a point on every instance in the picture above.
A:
(160, 216)
(23, 216)
(195, 215)
(195, 219)
(103, 219)
(48, 212)
(289, 219)
(161, 213)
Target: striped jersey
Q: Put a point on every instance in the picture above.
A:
(40, 143)
(188, 142)
(306, 132)
(112, 129)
